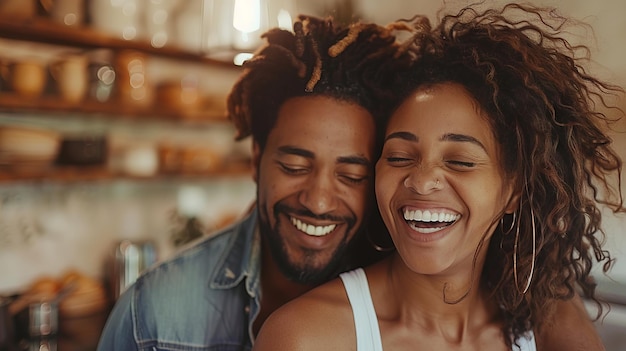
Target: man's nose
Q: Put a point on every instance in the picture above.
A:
(319, 195)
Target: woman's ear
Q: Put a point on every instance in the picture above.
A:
(513, 203)
(256, 160)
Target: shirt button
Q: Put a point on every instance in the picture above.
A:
(247, 309)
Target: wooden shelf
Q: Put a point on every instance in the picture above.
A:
(74, 174)
(51, 111)
(13, 103)
(43, 30)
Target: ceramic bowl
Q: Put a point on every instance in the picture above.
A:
(26, 147)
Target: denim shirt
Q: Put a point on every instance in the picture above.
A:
(204, 298)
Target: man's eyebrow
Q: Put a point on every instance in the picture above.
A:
(358, 160)
(462, 138)
(402, 135)
(292, 150)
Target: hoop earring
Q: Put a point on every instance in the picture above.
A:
(532, 264)
(508, 231)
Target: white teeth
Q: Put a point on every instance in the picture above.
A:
(427, 216)
(425, 230)
(313, 230)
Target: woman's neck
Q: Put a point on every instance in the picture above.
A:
(453, 305)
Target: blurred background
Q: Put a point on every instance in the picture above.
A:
(115, 149)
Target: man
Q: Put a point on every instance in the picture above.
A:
(314, 120)
(313, 103)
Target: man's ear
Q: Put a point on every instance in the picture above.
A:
(256, 160)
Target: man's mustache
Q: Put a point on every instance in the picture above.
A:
(279, 207)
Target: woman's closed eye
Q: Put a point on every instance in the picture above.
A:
(462, 165)
(398, 161)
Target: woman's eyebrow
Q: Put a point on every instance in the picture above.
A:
(462, 138)
(455, 137)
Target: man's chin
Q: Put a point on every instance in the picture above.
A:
(313, 273)
(311, 266)
(308, 276)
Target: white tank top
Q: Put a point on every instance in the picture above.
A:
(366, 323)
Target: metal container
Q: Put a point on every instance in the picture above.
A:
(41, 344)
(129, 260)
(43, 318)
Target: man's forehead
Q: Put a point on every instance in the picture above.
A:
(323, 128)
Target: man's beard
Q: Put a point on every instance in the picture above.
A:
(308, 271)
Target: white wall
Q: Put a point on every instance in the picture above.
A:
(48, 229)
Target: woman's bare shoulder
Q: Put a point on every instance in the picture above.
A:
(324, 311)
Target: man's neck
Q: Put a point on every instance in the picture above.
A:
(276, 288)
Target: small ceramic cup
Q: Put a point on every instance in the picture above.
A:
(70, 74)
(25, 77)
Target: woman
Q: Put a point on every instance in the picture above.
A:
(490, 182)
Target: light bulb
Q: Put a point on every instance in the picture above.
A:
(247, 15)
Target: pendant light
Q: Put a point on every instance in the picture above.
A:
(233, 28)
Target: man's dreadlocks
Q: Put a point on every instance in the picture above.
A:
(349, 63)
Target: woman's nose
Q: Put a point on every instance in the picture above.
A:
(423, 180)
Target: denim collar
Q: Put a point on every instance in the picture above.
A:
(240, 258)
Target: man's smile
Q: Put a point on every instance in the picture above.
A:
(310, 229)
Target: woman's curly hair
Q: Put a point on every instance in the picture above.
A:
(349, 63)
(545, 111)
